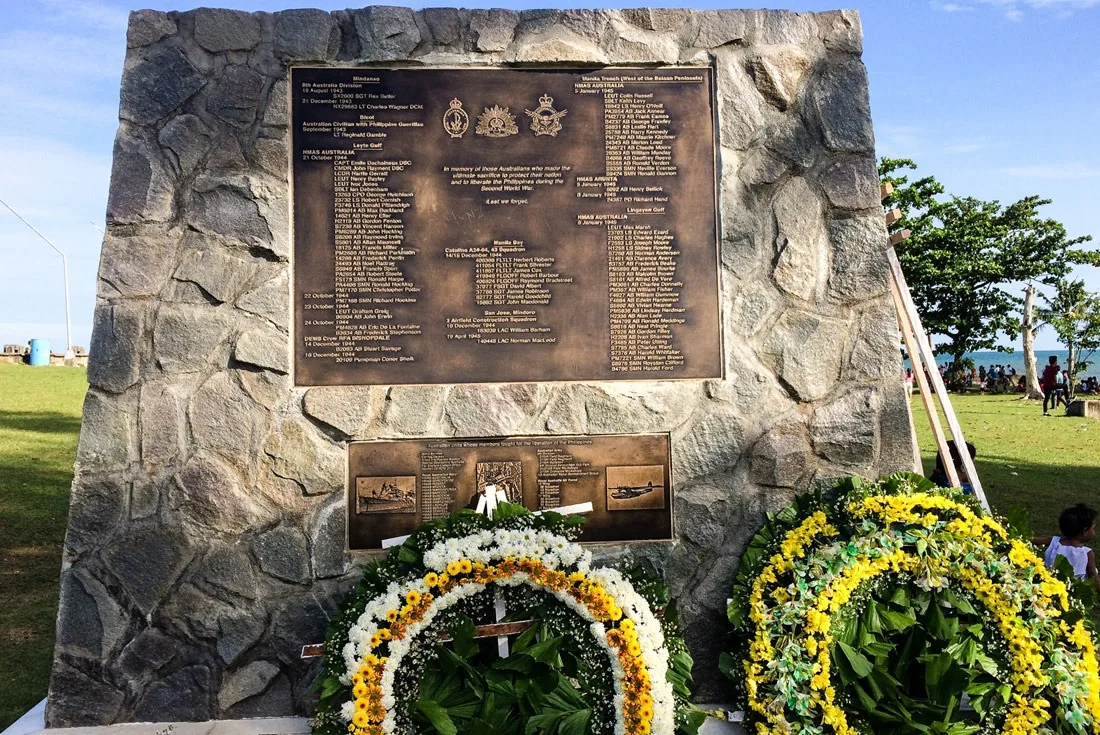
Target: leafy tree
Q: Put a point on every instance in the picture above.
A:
(963, 254)
(1074, 314)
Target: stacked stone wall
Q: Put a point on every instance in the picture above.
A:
(206, 536)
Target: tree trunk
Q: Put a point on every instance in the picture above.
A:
(1072, 368)
(1027, 333)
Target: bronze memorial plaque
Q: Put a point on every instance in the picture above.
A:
(394, 486)
(504, 225)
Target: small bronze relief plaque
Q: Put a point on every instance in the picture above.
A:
(504, 225)
(394, 486)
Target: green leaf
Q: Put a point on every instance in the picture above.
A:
(546, 651)
(897, 621)
(859, 663)
(575, 723)
(438, 716)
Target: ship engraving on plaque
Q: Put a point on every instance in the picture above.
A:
(385, 494)
(455, 120)
(436, 477)
(545, 120)
(496, 122)
(584, 248)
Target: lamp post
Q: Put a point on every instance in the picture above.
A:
(65, 273)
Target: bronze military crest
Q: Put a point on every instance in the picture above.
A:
(496, 122)
(545, 120)
(455, 119)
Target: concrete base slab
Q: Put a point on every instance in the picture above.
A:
(1086, 409)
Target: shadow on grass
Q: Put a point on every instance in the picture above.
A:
(42, 422)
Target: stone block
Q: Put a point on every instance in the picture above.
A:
(77, 698)
(265, 348)
(841, 99)
(208, 493)
(270, 300)
(721, 27)
(328, 539)
(189, 338)
(137, 265)
(781, 457)
(556, 44)
(106, 434)
(230, 211)
(223, 419)
(852, 183)
(493, 30)
(146, 27)
(157, 84)
(845, 430)
(298, 454)
(778, 74)
(97, 508)
(220, 273)
(277, 112)
(186, 138)
(118, 342)
(236, 96)
(283, 552)
(841, 30)
(806, 351)
(146, 653)
(413, 410)
(860, 270)
(248, 681)
(306, 35)
(218, 30)
(141, 189)
(801, 257)
(237, 634)
(346, 409)
(445, 25)
(227, 572)
(147, 564)
(386, 32)
(182, 695)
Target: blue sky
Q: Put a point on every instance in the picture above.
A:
(998, 99)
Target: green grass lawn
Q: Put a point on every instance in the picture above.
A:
(1042, 463)
(39, 425)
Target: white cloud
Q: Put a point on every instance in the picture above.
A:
(1054, 171)
(1014, 9)
(950, 7)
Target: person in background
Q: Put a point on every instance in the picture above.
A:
(909, 380)
(1049, 383)
(939, 475)
(1078, 527)
(981, 376)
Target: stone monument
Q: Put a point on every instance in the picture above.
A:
(285, 280)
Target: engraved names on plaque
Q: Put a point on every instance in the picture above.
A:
(394, 486)
(499, 225)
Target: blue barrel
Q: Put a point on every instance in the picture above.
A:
(40, 352)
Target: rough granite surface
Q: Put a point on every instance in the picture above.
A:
(205, 541)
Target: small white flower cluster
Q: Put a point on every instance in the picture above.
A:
(555, 552)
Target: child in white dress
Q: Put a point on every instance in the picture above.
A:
(1078, 526)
